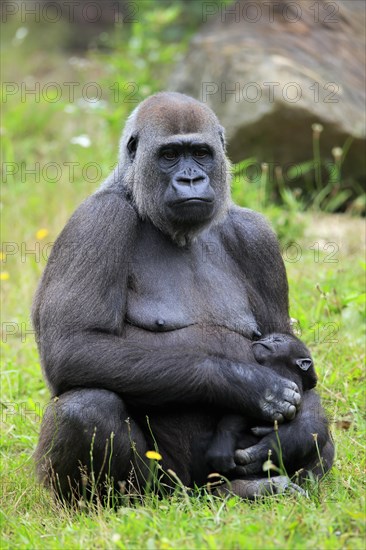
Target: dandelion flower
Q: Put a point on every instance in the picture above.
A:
(2, 256)
(4, 276)
(153, 455)
(41, 233)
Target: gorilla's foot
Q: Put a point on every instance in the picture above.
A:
(254, 488)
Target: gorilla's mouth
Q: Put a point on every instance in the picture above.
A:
(191, 210)
(264, 345)
(192, 200)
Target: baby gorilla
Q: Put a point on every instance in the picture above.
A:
(289, 357)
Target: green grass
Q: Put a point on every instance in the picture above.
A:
(326, 300)
(333, 515)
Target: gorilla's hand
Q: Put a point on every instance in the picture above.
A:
(222, 462)
(280, 401)
(266, 395)
(250, 461)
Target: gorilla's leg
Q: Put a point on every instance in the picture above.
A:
(87, 438)
(317, 467)
(252, 488)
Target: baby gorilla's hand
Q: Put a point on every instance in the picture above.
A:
(220, 461)
(250, 461)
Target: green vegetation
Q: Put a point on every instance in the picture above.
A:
(324, 188)
(71, 145)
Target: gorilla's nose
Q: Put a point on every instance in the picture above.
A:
(190, 180)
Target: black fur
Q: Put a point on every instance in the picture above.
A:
(289, 357)
(146, 307)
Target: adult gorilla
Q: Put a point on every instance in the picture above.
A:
(145, 309)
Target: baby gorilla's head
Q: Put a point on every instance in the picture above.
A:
(277, 349)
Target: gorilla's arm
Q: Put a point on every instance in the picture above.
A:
(299, 447)
(79, 316)
(251, 242)
(220, 452)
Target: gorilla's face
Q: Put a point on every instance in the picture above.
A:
(176, 165)
(272, 349)
(186, 167)
(276, 349)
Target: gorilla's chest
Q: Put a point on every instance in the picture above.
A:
(171, 288)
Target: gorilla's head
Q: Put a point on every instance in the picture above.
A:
(286, 349)
(172, 160)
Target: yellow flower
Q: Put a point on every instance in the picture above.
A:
(41, 233)
(153, 455)
(4, 276)
(2, 256)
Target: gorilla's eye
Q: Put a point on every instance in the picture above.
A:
(200, 153)
(277, 339)
(170, 154)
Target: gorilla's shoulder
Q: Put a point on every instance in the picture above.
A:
(245, 224)
(104, 208)
(112, 200)
(101, 229)
(100, 222)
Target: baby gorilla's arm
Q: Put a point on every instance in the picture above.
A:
(295, 442)
(220, 453)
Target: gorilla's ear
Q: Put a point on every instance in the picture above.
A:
(132, 147)
(304, 363)
(222, 137)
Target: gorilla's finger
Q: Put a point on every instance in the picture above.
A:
(252, 454)
(292, 396)
(294, 489)
(278, 417)
(290, 412)
(250, 469)
(243, 456)
(293, 386)
(282, 484)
